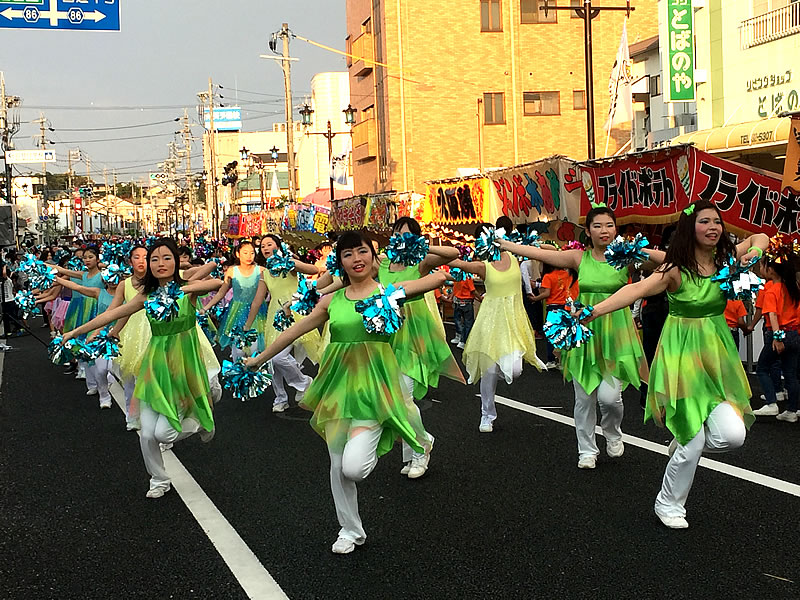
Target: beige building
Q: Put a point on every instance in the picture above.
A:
(481, 84)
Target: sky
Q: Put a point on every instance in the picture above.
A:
(154, 67)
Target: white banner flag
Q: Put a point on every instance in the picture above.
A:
(619, 86)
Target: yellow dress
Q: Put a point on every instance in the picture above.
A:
(502, 333)
(281, 290)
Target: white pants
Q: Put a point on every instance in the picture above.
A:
(350, 464)
(609, 395)
(156, 429)
(414, 417)
(489, 386)
(723, 430)
(91, 384)
(131, 412)
(98, 372)
(287, 370)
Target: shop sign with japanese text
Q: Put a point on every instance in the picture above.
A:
(679, 57)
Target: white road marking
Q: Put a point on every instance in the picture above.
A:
(256, 581)
(744, 474)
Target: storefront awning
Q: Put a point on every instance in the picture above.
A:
(751, 135)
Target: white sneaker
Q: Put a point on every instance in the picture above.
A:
(615, 449)
(781, 396)
(92, 392)
(768, 410)
(157, 492)
(81, 374)
(280, 407)
(455, 340)
(486, 426)
(406, 468)
(789, 416)
(551, 365)
(105, 403)
(420, 462)
(587, 462)
(343, 546)
(460, 345)
(674, 522)
(165, 447)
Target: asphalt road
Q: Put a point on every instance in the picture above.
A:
(500, 515)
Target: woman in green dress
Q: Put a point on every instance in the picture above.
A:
(697, 386)
(613, 358)
(358, 403)
(172, 386)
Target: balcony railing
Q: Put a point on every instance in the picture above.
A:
(363, 48)
(365, 140)
(770, 26)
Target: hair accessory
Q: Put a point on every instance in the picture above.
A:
(689, 210)
(599, 205)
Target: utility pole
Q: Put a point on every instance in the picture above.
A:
(116, 203)
(187, 148)
(213, 212)
(7, 130)
(90, 192)
(588, 13)
(43, 145)
(105, 198)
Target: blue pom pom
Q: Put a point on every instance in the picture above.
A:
(280, 264)
(621, 252)
(42, 276)
(80, 350)
(331, 265)
(162, 305)
(459, 274)
(407, 249)
(104, 345)
(737, 281)
(114, 274)
(487, 247)
(76, 264)
(244, 383)
(381, 313)
(205, 324)
(58, 353)
(306, 297)
(243, 338)
(564, 330)
(282, 321)
(26, 302)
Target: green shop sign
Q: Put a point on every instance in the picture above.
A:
(679, 55)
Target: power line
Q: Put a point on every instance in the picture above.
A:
(122, 139)
(120, 126)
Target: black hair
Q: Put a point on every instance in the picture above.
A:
(185, 250)
(135, 248)
(787, 269)
(480, 227)
(93, 249)
(681, 254)
(411, 222)
(151, 283)
(348, 241)
(592, 215)
(239, 247)
(260, 258)
(504, 222)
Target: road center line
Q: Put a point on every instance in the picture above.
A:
(256, 581)
(765, 480)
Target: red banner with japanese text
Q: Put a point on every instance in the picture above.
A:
(461, 201)
(653, 187)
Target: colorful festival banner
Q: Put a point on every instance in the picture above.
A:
(653, 187)
(454, 202)
(546, 188)
(791, 169)
(376, 212)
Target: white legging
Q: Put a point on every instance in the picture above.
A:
(353, 450)
(156, 430)
(97, 377)
(286, 370)
(414, 417)
(131, 409)
(723, 430)
(609, 395)
(489, 386)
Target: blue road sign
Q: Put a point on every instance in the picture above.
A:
(99, 15)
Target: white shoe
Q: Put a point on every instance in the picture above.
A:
(157, 492)
(550, 365)
(674, 522)
(343, 546)
(280, 407)
(420, 462)
(587, 462)
(105, 403)
(81, 374)
(406, 468)
(615, 449)
(455, 340)
(768, 410)
(206, 436)
(789, 416)
(486, 426)
(781, 396)
(460, 345)
(92, 392)
(165, 447)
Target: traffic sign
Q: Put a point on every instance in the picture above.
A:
(158, 178)
(30, 156)
(60, 14)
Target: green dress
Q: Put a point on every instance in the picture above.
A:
(359, 379)
(615, 349)
(419, 345)
(172, 378)
(697, 364)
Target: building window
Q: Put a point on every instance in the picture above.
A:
(573, 14)
(655, 85)
(579, 99)
(490, 16)
(541, 103)
(531, 12)
(493, 109)
(366, 26)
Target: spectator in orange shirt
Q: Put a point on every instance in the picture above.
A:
(776, 374)
(780, 306)
(735, 313)
(557, 285)
(463, 296)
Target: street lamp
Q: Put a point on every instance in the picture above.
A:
(349, 118)
(245, 153)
